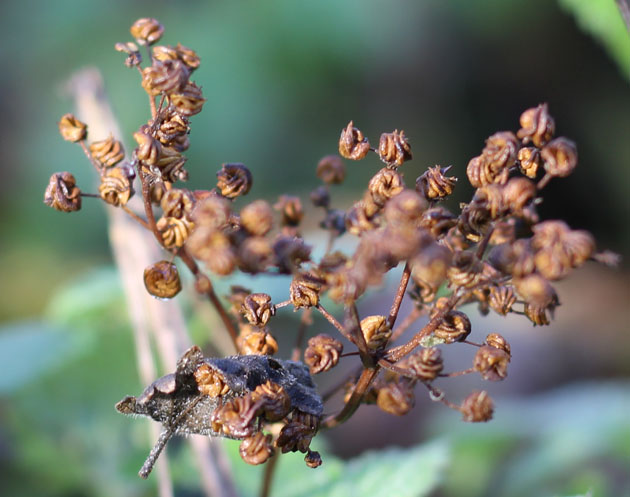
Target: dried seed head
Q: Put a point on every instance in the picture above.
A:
(234, 180)
(147, 31)
(134, 58)
(535, 290)
(178, 203)
(213, 248)
(434, 185)
(429, 267)
(322, 353)
(384, 185)
(291, 209)
(498, 342)
(257, 217)
(236, 417)
(162, 280)
(375, 331)
(537, 126)
(212, 212)
(537, 315)
(320, 197)
(290, 253)
(257, 309)
(256, 449)
(394, 148)
(529, 161)
(210, 381)
(149, 149)
(188, 100)
(62, 193)
(454, 327)
(559, 157)
(425, 364)
(516, 258)
(166, 77)
(491, 363)
(357, 220)
(438, 221)
(517, 194)
(255, 254)
(172, 127)
(171, 165)
(108, 152)
(477, 407)
(465, 271)
(396, 397)
(179, 52)
(352, 144)
(274, 399)
(296, 435)
(256, 342)
(116, 186)
(174, 231)
(558, 248)
(500, 151)
(313, 459)
(304, 291)
(501, 299)
(405, 209)
(330, 170)
(72, 129)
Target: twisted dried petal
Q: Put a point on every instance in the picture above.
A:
(274, 399)
(116, 186)
(433, 184)
(210, 381)
(234, 180)
(174, 231)
(454, 327)
(256, 449)
(375, 331)
(291, 209)
(188, 100)
(384, 185)
(501, 299)
(396, 397)
(559, 157)
(331, 170)
(498, 342)
(529, 161)
(166, 77)
(108, 152)
(537, 126)
(71, 129)
(257, 217)
(162, 280)
(477, 407)
(146, 30)
(491, 363)
(425, 365)
(394, 148)
(322, 353)
(62, 193)
(352, 144)
(257, 309)
(304, 292)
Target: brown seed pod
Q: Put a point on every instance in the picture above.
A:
(147, 31)
(291, 209)
(384, 185)
(529, 161)
(429, 267)
(187, 100)
(257, 217)
(331, 170)
(172, 127)
(537, 315)
(313, 459)
(258, 309)
(174, 231)
(320, 197)
(535, 290)
(394, 148)
(438, 221)
(212, 212)
(213, 248)
(258, 342)
(256, 449)
(108, 152)
(255, 254)
(498, 342)
(465, 271)
(501, 299)
(454, 327)
(559, 157)
(71, 129)
(352, 144)
(236, 417)
(274, 399)
(434, 185)
(290, 253)
(162, 280)
(425, 364)
(116, 186)
(304, 292)
(149, 149)
(477, 407)
(171, 165)
(296, 435)
(500, 152)
(375, 331)
(62, 193)
(322, 353)
(405, 209)
(210, 381)
(537, 126)
(517, 194)
(178, 203)
(134, 57)
(179, 52)
(165, 77)
(234, 180)
(357, 220)
(396, 397)
(491, 363)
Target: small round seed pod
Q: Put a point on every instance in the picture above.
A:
(537, 315)
(384, 185)
(162, 280)
(331, 170)
(304, 292)
(62, 193)
(295, 436)
(147, 31)
(375, 331)
(255, 254)
(438, 221)
(166, 77)
(256, 449)
(405, 209)
(237, 296)
(322, 353)
(149, 149)
(236, 417)
(559, 157)
(454, 327)
(500, 151)
(535, 290)
(275, 400)
(178, 203)
(134, 57)
(172, 127)
(291, 209)
(171, 165)
(116, 186)
(434, 185)
(394, 148)
(425, 365)
(430, 265)
(188, 100)
(352, 144)
(234, 180)
(490, 200)
(537, 126)
(553, 263)
(212, 212)
(210, 381)
(71, 129)
(313, 459)
(108, 152)
(396, 397)
(517, 194)
(174, 231)
(213, 248)
(257, 217)
(465, 271)
(320, 197)
(179, 52)
(357, 221)
(498, 342)
(259, 342)
(529, 161)
(501, 299)
(258, 309)
(477, 407)
(491, 363)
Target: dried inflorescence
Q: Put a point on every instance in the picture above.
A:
(494, 252)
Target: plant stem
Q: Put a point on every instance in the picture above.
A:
(331, 319)
(268, 475)
(398, 298)
(364, 382)
(135, 216)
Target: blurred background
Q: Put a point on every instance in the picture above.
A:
(282, 78)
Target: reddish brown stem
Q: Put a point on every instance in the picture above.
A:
(268, 475)
(458, 373)
(92, 160)
(135, 216)
(353, 325)
(364, 382)
(148, 208)
(332, 320)
(400, 294)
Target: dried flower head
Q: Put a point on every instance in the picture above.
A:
(72, 129)
(256, 449)
(322, 353)
(62, 193)
(376, 331)
(330, 170)
(258, 309)
(537, 126)
(179, 52)
(168, 77)
(187, 99)
(108, 152)
(162, 280)
(498, 342)
(116, 186)
(454, 327)
(394, 148)
(477, 407)
(253, 341)
(210, 381)
(492, 363)
(559, 157)
(352, 144)
(147, 31)
(257, 217)
(234, 180)
(425, 364)
(291, 209)
(396, 397)
(274, 399)
(434, 184)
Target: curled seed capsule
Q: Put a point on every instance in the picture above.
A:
(62, 193)
(178, 203)
(290, 253)
(116, 186)
(517, 194)
(257, 309)
(405, 209)
(256, 342)
(322, 353)
(108, 152)
(434, 185)
(71, 129)
(210, 381)
(313, 459)
(212, 212)
(429, 267)
(491, 363)
(500, 151)
(236, 417)
(256, 449)
(465, 271)
(425, 365)
(498, 342)
(274, 399)
(537, 126)
(330, 169)
(454, 327)
(291, 209)
(255, 254)
(477, 407)
(174, 231)
(559, 157)
(394, 148)
(174, 126)
(257, 217)
(501, 299)
(212, 247)
(396, 397)
(438, 221)
(188, 101)
(375, 331)
(384, 185)
(353, 144)
(171, 165)
(304, 292)
(234, 180)
(147, 30)
(167, 77)
(162, 280)
(529, 161)
(149, 149)
(535, 290)
(537, 315)
(179, 52)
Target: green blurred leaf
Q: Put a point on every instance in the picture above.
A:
(602, 20)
